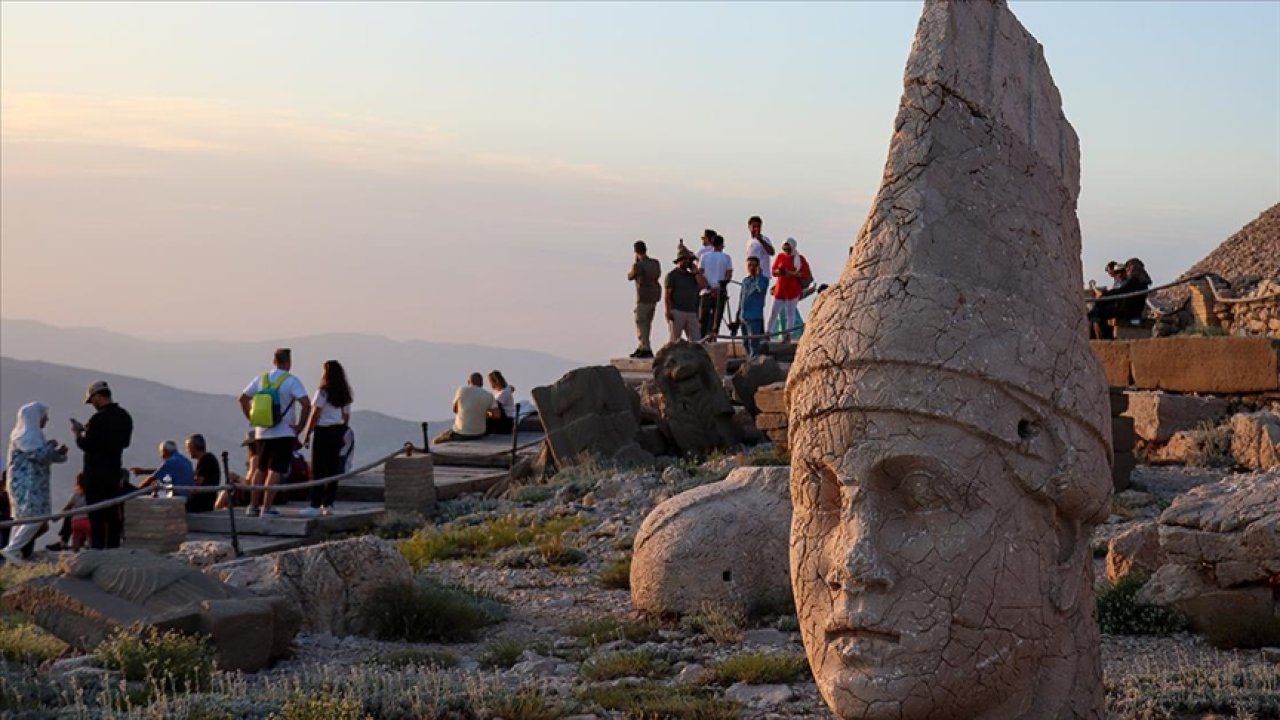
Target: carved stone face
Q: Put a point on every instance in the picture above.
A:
(922, 570)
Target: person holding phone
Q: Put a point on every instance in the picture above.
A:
(103, 441)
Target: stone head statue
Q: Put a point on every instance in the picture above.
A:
(948, 421)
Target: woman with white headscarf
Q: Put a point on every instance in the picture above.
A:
(31, 457)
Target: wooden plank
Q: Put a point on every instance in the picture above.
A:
(346, 517)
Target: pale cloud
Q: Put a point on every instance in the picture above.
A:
(548, 167)
(184, 126)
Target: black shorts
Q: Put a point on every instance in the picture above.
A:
(276, 454)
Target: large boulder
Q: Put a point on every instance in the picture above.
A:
(1136, 551)
(751, 376)
(1157, 415)
(1255, 440)
(328, 583)
(1220, 545)
(590, 411)
(723, 544)
(98, 593)
(697, 412)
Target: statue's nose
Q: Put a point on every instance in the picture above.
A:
(860, 564)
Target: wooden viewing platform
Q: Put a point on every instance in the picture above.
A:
(459, 468)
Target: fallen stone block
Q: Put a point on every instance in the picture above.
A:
(590, 411)
(1135, 551)
(1219, 365)
(751, 376)
(772, 398)
(328, 584)
(100, 592)
(1114, 355)
(1157, 415)
(1255, 440)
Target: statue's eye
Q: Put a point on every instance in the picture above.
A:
(821, 488)
(923, 484)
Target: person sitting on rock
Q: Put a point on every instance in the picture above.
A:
(471, 406)
(1130, 278)
(501, 419)
(175, 469)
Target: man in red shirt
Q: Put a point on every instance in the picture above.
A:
(790, 272)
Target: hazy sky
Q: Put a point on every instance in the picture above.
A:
(477, 172)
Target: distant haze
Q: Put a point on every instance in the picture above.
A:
(476, 172)
(410, 380)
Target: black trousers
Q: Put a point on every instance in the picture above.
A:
(326, 461)
(711, 312)
(105, 525)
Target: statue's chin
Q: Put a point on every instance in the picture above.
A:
(886, 692)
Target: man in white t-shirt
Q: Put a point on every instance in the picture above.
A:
(471, 406)
(717, 269)
(759, 246)
(275, 444)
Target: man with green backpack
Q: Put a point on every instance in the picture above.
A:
(268, 404)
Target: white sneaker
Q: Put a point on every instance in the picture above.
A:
(13, 557)
(309, 512)
(326, 510)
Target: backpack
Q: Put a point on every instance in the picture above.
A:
(265, 410)
(806, 279)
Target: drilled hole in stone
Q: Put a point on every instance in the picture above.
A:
(727, 576)
(1028, 429)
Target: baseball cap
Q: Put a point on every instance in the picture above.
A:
(95, 388)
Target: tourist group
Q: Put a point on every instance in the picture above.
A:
(696, 293)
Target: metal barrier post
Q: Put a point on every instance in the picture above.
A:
(231, 503)
(426, 439)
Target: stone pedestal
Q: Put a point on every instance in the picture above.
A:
(158, 524)
(410, 485)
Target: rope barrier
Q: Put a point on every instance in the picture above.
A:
(151, 489)
(1143, 293)
(1236, 301)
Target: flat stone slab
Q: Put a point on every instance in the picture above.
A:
(1215, 365)
(289, 523)
(450, 481)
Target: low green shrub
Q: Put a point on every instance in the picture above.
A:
(481, 540)
(1222, 687)
(756, 668)
(12, 576)
(616, 575)
(721, 623)
(531, 494)
(503, 653)
(602, 630)
(1120, 613)
(442, 659)
(526, 704)
(166, 660)
(426, 611)
(320, 707)
(650, 701)
(28, 644)
(1204, 331)
(558, 553)
(614, 665)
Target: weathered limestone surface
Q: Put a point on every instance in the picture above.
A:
(1221, 365)
(590, 411)
(1114, 356)
(1220, 549)
(158, 524)
(327, 584)
(100, 592)
(723, 543)
(753, 375)
(945, 407)
(1158, 415)
(697, 412)
(203, 553)
(1255, 440)
(1135, 551)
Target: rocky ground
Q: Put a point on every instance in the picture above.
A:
(545, 602)
(542, 643)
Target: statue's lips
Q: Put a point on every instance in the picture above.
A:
(861, 643)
